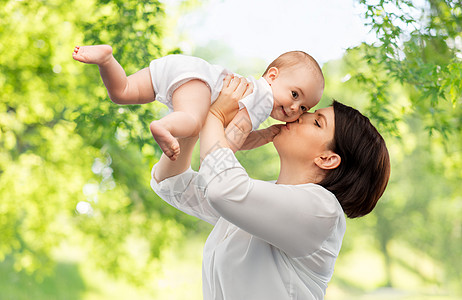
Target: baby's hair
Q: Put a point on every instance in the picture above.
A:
(293, 58)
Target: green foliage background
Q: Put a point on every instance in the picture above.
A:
(64, 144)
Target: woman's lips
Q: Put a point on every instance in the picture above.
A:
(287, 125)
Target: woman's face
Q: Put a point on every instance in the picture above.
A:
(308, 137)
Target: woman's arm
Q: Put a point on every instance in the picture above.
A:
(225, 113)
(175, 182)
(180, 186)
(296, 220)
(240, 137)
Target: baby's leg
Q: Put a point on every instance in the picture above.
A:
(167, 168)
(135, 89)
(191, 102)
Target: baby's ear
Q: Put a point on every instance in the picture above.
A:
(328, 160)
(272, 74)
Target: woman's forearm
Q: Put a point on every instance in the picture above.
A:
(238, 130)
(212, 136)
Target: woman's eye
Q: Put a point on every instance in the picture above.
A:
(317, 123)
(304, 109)
(294, 94)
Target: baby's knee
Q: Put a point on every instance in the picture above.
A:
(118, 99)
(197, 123)
(114, 98)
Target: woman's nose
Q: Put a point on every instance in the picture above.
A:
(306, 115)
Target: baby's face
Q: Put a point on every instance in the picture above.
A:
(295, 91)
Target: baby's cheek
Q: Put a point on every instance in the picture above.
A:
(297, 116)
(277, 116)
(293, 118)
(273, 114)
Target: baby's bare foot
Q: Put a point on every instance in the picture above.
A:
(167, 142)
(99, 54)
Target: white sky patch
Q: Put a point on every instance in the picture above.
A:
(268, 28)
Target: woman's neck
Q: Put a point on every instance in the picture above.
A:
(293, 173)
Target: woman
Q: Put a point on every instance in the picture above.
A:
(276, 240)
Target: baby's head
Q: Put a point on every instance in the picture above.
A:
(297, 84)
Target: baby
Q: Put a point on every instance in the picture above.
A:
(291, 85)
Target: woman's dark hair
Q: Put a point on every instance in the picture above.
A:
(362, 176)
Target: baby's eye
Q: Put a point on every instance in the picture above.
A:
(294, 94)
(304, 109)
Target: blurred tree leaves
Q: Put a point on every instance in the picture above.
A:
(74, 167)
(420, 46)
(409, 84)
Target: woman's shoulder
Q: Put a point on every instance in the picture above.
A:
(322, 199)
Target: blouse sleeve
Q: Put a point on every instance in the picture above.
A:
(296, 219)
(185, 192)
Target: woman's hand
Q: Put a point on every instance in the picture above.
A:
(226, 106)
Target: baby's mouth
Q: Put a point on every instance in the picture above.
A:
(288, 124)
(284, 112)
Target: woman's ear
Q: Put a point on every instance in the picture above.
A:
(272, 74)
(328, 161)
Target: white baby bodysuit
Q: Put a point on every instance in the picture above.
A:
(170, 72)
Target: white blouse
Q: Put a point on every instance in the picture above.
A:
(269, 241)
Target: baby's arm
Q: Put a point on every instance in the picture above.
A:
(261, 137)
(239, 138)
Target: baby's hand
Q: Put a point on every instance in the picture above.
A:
(226, 106)
(261, 137)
